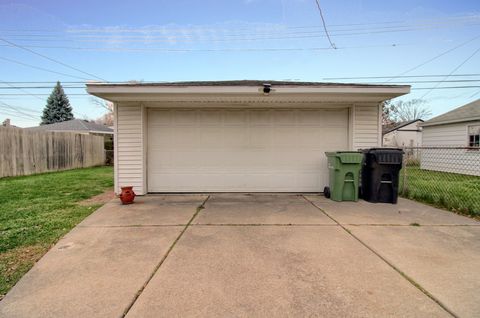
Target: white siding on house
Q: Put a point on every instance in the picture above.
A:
(449, 160)
(131, 140)
(445, 135)
(366, 130)
(129, 150)
(406, 136)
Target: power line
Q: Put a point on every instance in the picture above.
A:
(407, 76)
(396, 82)
(442, 19)
(19, 88)
(40, 68)
(279, 31)
(50, 59)
(15, 109)
(11, 114)
(414, 88)
(325, 25)
(168, 50)
(29, 110)
(189, 38)
(435, 57)
(453, 71)
(269, 28)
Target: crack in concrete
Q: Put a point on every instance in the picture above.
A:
(157, 267)
(408, 278)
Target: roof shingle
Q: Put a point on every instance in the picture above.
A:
(75, 125)
(468, 112)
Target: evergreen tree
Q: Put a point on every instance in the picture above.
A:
(58, 107)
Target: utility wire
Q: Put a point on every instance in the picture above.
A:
(40, 68)
(325, 78)
(453, 71)
(10, 114)
(19, 88)
(18, 111)
(152, 34)
(407, 76)
(396, 82)
(442, 19)
(50, 59)
(414, 88)
(170, 50)
(435, 57)
(189, 38)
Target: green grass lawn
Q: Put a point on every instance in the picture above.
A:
(451, 191)
(35, 211)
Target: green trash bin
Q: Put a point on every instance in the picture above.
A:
(344, 171)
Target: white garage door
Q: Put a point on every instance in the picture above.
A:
(233, 150)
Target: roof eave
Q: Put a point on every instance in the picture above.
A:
(117, 93)
(446, 122)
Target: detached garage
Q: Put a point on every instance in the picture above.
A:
(238, 136)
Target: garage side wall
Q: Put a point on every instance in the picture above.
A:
(129, 148)
(366, 126)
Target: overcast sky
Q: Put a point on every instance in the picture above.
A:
(236, 39)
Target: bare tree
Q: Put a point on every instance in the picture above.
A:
(400, 111)
(107, 118)
(410, 110)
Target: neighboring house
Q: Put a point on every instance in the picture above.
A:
(78, 126)
(457, 128)
(406, 134)
(238, 136)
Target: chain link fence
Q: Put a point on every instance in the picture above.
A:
(446, 177)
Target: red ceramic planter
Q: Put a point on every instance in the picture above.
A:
(127, 196)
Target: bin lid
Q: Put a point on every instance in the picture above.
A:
(346, 156)
(386, 155)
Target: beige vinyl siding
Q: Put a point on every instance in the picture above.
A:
(449, 160)
(130, 147)
(366, 126)
(131, 140)
(445, 135)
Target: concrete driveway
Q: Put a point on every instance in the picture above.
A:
(257, 255)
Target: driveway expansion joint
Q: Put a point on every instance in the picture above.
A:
(262, 224)
(131, 225)
(408, 278)
(157, 267)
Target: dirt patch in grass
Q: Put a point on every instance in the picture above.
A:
(101, 198)
(16, 262)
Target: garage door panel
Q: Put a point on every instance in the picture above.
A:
(242, 150)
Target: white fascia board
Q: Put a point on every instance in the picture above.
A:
(193, 93)
(117, 89)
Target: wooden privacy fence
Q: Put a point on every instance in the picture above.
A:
(24, 152)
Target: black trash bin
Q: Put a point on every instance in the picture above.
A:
(380, 174)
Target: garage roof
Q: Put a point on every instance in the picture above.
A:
(223, 91)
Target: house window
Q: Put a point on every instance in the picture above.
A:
(474, 136)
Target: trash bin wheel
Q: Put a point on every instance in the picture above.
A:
(326, 192)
